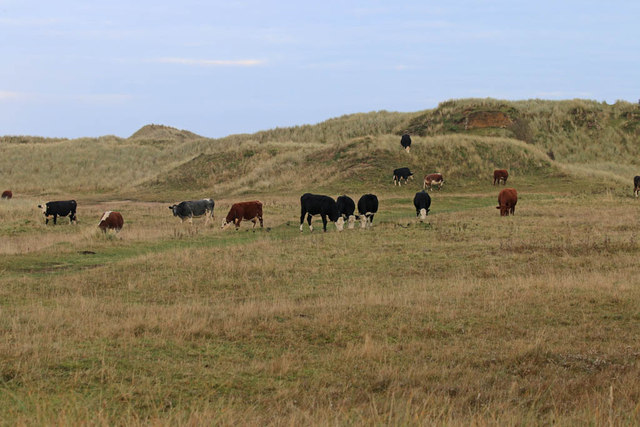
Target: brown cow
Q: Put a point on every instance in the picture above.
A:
(507, 200)
(244, 210)
(111, 221)
(500, 175)
(7, 194)
(433, 179)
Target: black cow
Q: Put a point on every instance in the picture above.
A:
(325, 206)
(194, 208)
(636, 185)
(405, 141)
(422, 202)
(59, 208)
(400, 174)
(346, 208)
(367, 207)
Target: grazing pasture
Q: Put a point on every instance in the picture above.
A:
(463, 318)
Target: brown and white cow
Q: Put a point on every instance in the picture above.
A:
(500, 175)
(507, 200)
(433, 179)
(7, 194)
(111, 221)
(244, 210)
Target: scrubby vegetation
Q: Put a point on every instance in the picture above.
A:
(467, 318)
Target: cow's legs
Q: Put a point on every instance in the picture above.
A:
(324, 222)
(46, 219)
(309, 217)
(261, 223)
(302, 214)
(55, 219)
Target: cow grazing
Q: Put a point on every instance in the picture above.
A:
(346, 209)
(405, 141)
(433, 179)
(507, 200)
(500, 175)
(400, 174)
(194, 209)
(422, 202)
(251, 211)
(7, 194)
(367, 208)
(636, 185)
(325, 206)
(59, 208)
(111, 221)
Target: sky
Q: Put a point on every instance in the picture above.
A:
(89, 68)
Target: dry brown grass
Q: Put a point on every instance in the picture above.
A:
(469, 319)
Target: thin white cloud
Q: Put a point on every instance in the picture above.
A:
(10, 96)
(211, 62)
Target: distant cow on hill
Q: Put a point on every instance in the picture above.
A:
(500, 175)
(433, 179)
(59, 208)
(111, 220)
(400, 174)
(422, 202)
(346, 209)
(325, 206)
(193, 209)
(251, 211)
(7, 194)
(367, 208)
(636, 185)
(507, 200)
(405, 141)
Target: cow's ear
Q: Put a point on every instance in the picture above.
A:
(170, 207)
(497, 207)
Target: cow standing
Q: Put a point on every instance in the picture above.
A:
(422, 202)
(636, 185)
(346, 209)
(325, 206)
(405, 141)
(7, 194)
(194, 209)
(367, 208)
(507, 200)
(111, 221)
(433, 179)
(251, 211)
(500, 175)
(400, 174)
(59, 208)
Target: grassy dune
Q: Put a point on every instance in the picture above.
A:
(466, 318)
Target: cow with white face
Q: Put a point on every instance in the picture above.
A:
(422, 202)
(346, 209)
(367, 208)
(325, 206)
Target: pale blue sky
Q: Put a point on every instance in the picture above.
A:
(83, 68)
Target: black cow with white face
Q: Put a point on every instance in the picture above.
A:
(59, 208)
(422, 201)
(346, 209)
(400, 174)
(367, 208)
(325, 206)
(193, 209)
(405, 141)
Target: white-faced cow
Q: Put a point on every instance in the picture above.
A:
(59, 208)
(367, 208)
(325, 206)
(400, 174)
(405, 141)
(111, 221)
(433, 179)
(193, 209)
(422, 202)
(251, 211)
(500, 175)
(636, 185)
(346, 209)
(507, 200)
(7, 194)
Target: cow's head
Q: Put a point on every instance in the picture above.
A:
(352, 222)
(340, 223)
(43, 208)
(174, 209)
(504, 210)
(363, 221)
(424, 213)
(225, 223)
